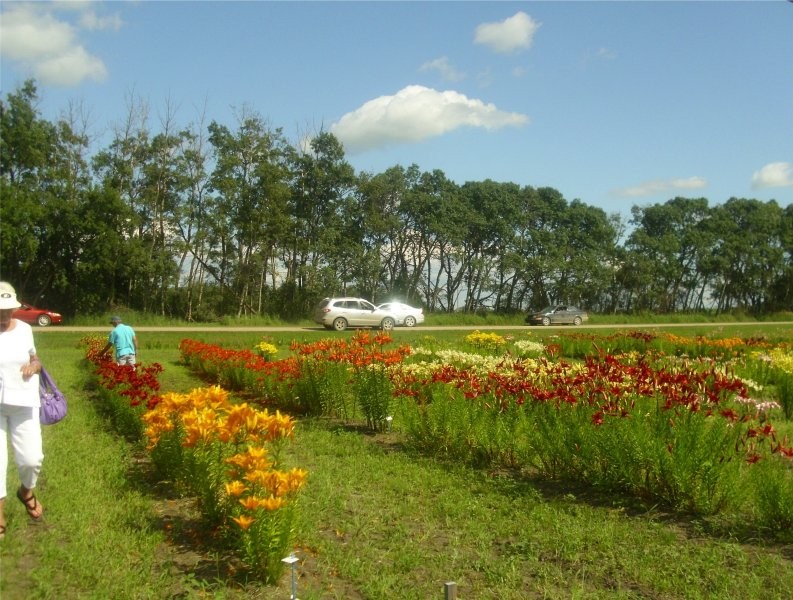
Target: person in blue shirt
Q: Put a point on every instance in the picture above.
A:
(123, 339)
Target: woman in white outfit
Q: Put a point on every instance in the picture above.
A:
(19, 406)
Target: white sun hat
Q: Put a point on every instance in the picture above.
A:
(8, 297)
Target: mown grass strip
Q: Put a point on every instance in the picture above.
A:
(398, 525)
(96, 540)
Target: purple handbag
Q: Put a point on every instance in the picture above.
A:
(53, 402)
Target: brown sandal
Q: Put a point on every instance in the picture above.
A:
(2, 531)
(31, 510)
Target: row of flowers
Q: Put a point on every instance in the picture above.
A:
(226, 454)
(668, 425)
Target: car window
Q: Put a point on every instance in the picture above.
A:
(367, 305)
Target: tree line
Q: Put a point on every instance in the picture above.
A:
(203, 221)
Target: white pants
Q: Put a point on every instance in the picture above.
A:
(127, 359)
(22, 424)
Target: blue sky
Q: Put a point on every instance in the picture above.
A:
(612, 103)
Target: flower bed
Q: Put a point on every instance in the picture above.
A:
(227, 455)
(635, 413)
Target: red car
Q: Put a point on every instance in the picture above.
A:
(36, 316)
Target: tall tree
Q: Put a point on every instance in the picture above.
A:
(119, 169)
(747, 257)
(388, 258)
(664, 251)
(250, 180)
(430, 212)
(493, 209)
(43, 184)
(320, 245)
(27, 146)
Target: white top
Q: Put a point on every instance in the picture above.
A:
(16, 348)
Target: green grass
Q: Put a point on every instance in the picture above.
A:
(396, 525)
(376, 520)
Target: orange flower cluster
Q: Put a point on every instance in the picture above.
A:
(206, 415)
(93, 347)
(724, 343)
(362, 350)
(266, 488)
(214, 361)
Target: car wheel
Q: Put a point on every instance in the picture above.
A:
(410, 321)
(44, 320)
(577, 321)
(546, 321)
(387, 324)
(339, 324)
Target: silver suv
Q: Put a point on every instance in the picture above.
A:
(340, 313)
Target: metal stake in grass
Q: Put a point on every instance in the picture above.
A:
(291, 560)
(450, 590)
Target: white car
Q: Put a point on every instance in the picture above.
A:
(403, 314)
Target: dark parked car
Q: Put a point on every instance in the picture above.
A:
(558, 314)
(36, 316)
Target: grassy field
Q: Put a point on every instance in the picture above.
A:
(376, 520)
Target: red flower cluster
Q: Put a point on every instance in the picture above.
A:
(139, 384)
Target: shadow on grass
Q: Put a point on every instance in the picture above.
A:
(567, 494)
(193, 547)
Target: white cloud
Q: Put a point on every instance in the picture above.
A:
(28, 35)
(777, 174)
(650, 188)
(47, 47)
(515, 33)
(605, 54)
(416, 113)
(442, 66)
(90, 20)
(71, 67)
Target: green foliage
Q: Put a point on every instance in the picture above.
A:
(374, 392)
(124, 418)
(236, 222)
(784, 387)
(773, 494)
(323, 388)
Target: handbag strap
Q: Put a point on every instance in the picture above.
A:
(45, 380)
